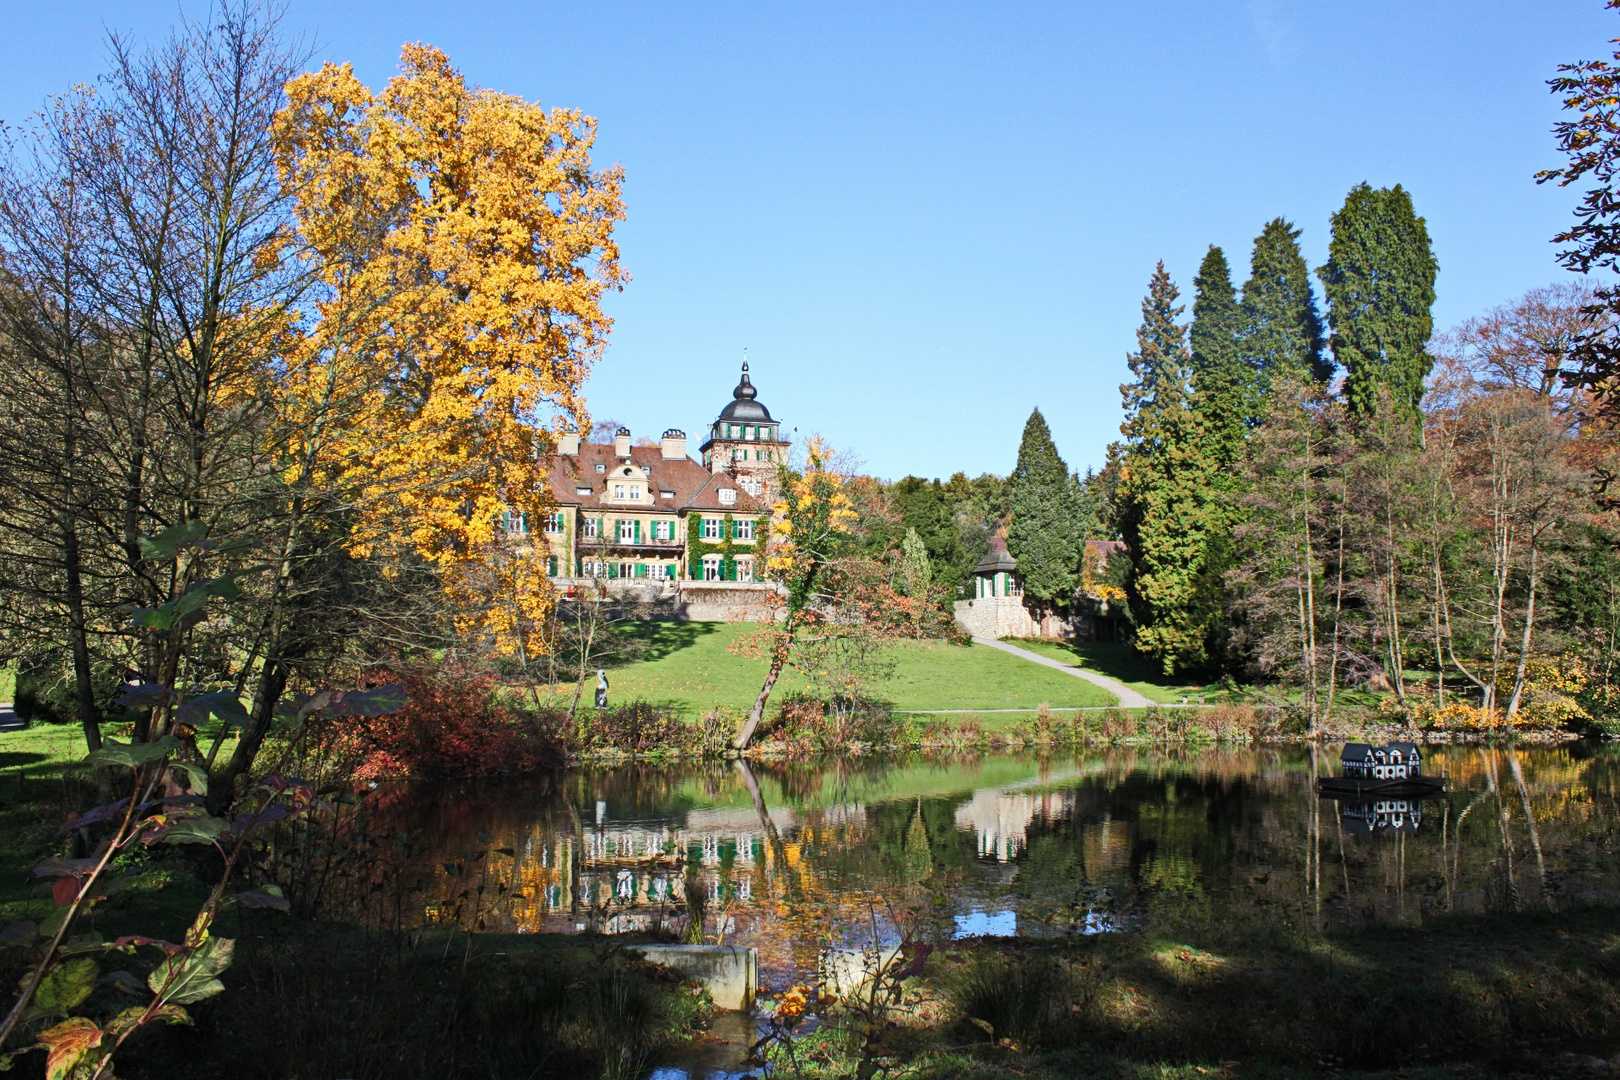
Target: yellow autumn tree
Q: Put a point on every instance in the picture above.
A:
(462, 244)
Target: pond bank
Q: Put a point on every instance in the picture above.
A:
(1533, 994)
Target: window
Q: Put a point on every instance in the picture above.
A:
(728, 496)
(515, 523)
(750, 485)
(628, 533)
(749, 433)
(660, 571)
(646, 470)
(667, 494)
(618, 491)
(551, 565)
(583, 489)
(592, 527)
(743, 529)
(711, 568)
(745, 569)
(554, 523)
(739, 453)
(627, 569)
(711, 529)
(601, 467)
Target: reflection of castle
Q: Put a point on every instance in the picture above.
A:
(1000, 819)
(1396, 815)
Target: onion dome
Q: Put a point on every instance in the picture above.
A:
(744, 405)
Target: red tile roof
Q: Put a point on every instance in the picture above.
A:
(694, 487)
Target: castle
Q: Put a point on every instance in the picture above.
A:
(652, 523)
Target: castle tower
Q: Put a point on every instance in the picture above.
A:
(746, 441)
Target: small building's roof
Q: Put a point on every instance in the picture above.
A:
(1355, 751)
(997, 559)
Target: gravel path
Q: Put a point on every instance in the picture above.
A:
(1128, 698)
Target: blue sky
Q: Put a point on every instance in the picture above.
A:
(923, 219)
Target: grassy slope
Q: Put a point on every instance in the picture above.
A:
(1117, 661)
(8, 684)
(692, 665)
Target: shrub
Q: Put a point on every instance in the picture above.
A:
(639, 727)
(454, 724)
(1028, 1000)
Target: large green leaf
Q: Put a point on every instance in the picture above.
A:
(223, 704)
(191, 977)
(133, 755)
(196, 775)
(64, 987)
(188, 825)
(171, 541)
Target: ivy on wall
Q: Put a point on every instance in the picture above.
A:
(697, 547)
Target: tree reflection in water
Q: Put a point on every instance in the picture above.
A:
(790, 856)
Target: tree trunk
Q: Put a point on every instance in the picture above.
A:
(1524, 645)
(779, 655)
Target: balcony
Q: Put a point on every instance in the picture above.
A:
(597, 543)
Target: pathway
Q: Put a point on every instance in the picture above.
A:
(9, 720)
(1128, 698)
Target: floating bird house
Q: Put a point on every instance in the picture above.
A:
(1397, 761)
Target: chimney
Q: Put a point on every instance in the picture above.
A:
(568, 443)
(674, 444)
(621, 442)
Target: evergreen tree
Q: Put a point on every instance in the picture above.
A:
(1044, 534)
(1167, 490)
(1223, 385)
(1379, 281)
(916, 571)
(1282, 331)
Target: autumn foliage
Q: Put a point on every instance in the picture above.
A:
(455, 725)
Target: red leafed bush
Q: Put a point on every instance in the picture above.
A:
(453, 724)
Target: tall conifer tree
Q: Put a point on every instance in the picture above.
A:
(1223, 385)
(1379, 281)
(1166, 490)
(1044, 533)
(1282, 330)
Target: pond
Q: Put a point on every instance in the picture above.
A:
(791, 856)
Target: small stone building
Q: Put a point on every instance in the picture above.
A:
(997, 608)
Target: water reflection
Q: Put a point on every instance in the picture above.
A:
(789, 857)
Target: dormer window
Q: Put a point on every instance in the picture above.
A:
(727, 496)
(666, 494)
(583, 489)
(750, 485)
(600, 467)
(627, 492)
(646, 470)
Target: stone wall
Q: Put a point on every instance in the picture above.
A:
(1007, 617)
(730, 601)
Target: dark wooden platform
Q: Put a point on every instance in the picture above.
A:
(1357, 788)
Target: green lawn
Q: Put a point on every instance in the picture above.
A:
(1119, 661)
(692, 666)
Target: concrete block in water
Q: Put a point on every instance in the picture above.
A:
(728, 972)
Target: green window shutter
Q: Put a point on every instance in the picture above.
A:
(638, 530)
